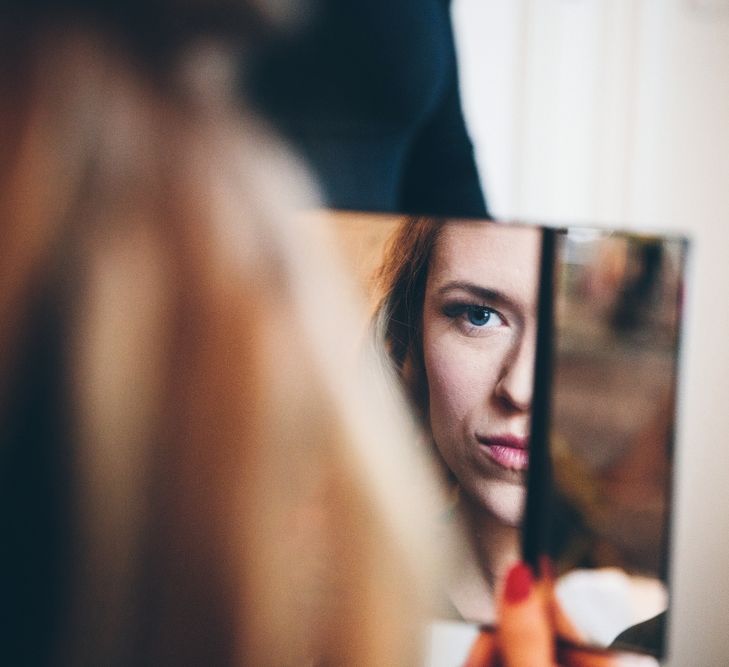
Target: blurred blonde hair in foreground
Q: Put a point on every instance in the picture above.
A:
(197, 466)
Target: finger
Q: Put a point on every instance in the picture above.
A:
(525, 636)
(561, 623)
(569, 652)
(576, 657)
(563, 627)
(483, 651)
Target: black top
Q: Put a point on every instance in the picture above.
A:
(368, 94)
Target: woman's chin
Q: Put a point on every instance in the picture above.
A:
(504, 502)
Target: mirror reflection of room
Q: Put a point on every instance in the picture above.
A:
(618, 308)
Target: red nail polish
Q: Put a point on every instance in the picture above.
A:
(519, 584)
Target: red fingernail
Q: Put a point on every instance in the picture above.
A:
(519, 584)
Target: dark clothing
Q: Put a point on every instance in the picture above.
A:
(368, 94)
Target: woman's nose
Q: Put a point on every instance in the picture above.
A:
(516, 383)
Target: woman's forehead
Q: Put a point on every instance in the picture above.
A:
(487, 252)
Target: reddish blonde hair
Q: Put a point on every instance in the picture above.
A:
(223, 497)
(401, 281)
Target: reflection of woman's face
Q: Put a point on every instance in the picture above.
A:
(479, 336)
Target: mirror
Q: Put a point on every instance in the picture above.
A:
(454, 312)
(616, 335)
(456, 309)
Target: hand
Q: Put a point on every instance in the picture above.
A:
(532, 631)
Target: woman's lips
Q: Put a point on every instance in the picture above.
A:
(508, 451)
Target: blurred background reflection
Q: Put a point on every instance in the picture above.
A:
(617, 314)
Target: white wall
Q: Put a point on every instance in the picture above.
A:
(617, 112)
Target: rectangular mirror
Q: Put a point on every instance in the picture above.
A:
(454, 308)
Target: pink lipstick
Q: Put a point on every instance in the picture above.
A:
(508, 451)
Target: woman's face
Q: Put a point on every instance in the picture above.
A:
(479, 337)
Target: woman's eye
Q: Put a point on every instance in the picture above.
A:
(472, 317)
(482, 316)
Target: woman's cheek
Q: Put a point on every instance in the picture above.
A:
(462, 378)
(454, 383)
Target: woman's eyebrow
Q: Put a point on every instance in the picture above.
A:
(485, 293)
